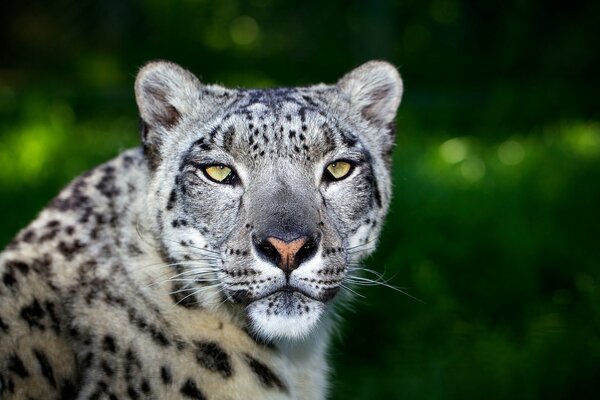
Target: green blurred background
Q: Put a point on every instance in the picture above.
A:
(496, 216)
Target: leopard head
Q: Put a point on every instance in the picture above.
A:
(264, 200)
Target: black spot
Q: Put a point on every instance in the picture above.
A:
(159, 337)
(8, 279)
(53, 223)
(3, 325)
(132, 393)
(108, 370)
(303, 109)
(134, 250)
(45, 366)
(241, 296)
(68, 391)
(107, 186)
(264, 374)
(145, 386)
(18, 265)
(69, 250)
(212, 357)
(33, 314)
(49, 306)
(28, 236)
(189, 389)
(12, 267)
(87, 360)
(172, 200)
(165, 375)
(109, 344)
(15, 364)
(10, 386)
(48, 236)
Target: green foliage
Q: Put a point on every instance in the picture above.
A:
(495, 220)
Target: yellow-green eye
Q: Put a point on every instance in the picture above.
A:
(219, 173)
(339, 169)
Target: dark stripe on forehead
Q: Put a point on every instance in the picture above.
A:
(348, 138)
(228, 136)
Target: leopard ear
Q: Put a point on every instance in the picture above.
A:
(374, 90)
(164, 92)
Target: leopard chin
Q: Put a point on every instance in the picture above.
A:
(285, 315)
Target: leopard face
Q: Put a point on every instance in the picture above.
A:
(264, 200)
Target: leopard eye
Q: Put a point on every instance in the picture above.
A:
(338, 170)
(219, 173)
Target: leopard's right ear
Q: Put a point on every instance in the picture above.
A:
(166, 94)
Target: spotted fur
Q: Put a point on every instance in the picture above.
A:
(145, 279)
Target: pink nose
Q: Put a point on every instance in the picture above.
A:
(287, 251)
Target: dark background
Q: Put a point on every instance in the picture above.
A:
(496, 217)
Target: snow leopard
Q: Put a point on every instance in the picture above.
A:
(208, 262)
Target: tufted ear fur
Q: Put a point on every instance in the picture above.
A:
(164, 92)
(374, 90)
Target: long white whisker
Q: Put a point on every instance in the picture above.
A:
(197, 248)
(369, 282)
(197, 272)
(361, 245)
(352, 291)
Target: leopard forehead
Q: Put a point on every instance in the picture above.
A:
(285, 123)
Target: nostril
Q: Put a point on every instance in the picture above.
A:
(267, 251)
(308, 250)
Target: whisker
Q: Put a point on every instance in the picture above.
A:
(137, 229)
(352, 291)
(361, 281)
(197, 248)
(183, 262)
(187, 289)
(197, 272)
(357, 251)
(362, 244)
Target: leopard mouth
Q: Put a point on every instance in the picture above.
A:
(285, 291)
(289, 290)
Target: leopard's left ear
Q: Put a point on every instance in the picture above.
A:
(374, 90)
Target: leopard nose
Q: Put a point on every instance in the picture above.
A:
(287, 255)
